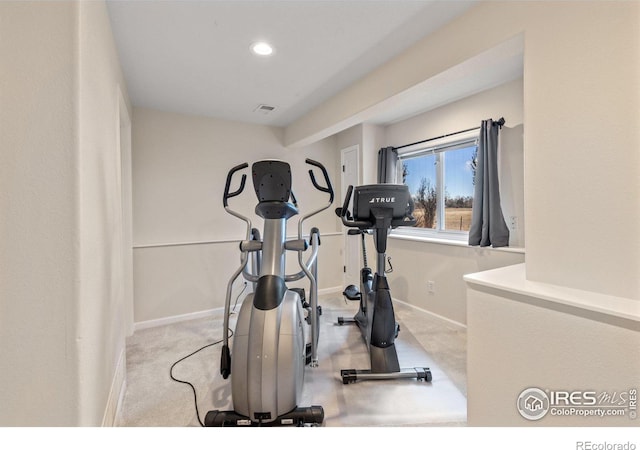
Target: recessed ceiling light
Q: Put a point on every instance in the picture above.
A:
(261, 48)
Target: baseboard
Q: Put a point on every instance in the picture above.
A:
(206, 313)
(116, 393)
(330, 290)
(174, 319)
(438, 316)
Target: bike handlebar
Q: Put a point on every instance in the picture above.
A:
(344, 211)
(347, 199)
(408, 220)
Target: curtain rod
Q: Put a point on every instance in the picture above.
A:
(500, 122)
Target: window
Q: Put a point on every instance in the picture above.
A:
(441, 182)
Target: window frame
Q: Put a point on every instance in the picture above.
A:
(438, 148)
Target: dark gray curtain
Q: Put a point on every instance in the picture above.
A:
(387, 163)
(488, 227)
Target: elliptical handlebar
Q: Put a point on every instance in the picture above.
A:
(226, 196)
(227, 185)
(328, 189)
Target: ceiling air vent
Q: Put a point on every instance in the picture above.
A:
(264, 109)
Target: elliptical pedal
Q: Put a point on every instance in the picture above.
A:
(352, 293)
(307, 354)
(301, 293)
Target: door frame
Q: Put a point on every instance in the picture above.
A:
(350, 244)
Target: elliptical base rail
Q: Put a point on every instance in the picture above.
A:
(299, 417)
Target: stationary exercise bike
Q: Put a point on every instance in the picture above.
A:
(277, 330)
(377, 209)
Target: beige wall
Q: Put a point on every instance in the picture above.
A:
(180, 164)
(105, 296)
(582, 165)
(40, 219)
(61, 274)
(416, 263)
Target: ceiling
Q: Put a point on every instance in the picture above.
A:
(193, 57)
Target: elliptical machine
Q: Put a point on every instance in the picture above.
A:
(377, 209)
(277, 331)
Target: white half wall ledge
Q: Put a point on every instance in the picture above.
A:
(511, 282)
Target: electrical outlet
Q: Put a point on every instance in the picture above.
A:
(431, 287)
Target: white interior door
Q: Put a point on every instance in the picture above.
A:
(350, 160)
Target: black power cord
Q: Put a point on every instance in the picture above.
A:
(233, 311)
(195, 396)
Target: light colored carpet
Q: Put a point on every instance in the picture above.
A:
(153, 399)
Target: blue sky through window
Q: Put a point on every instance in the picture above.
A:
(422, 166)
(458, 176)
